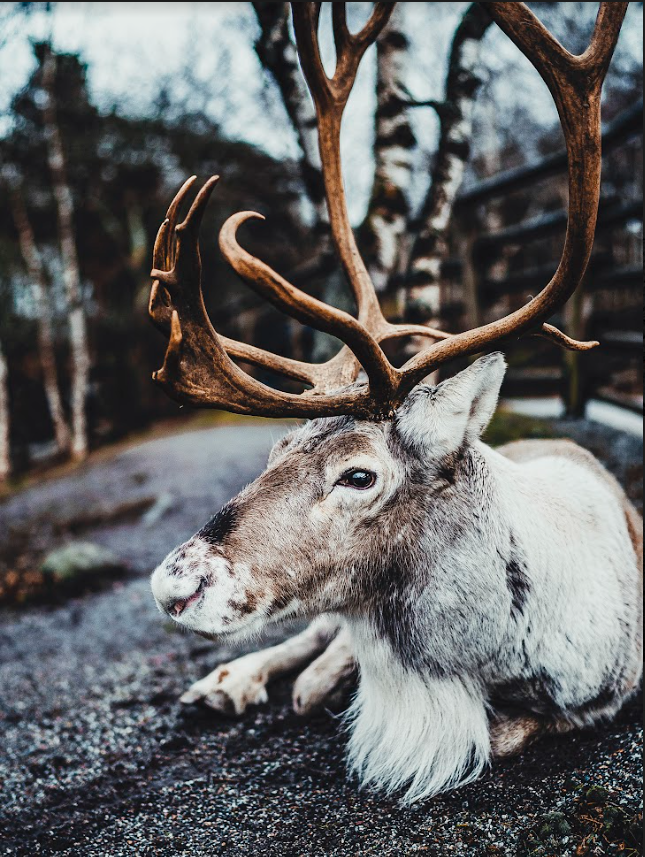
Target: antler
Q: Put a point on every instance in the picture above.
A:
(198, 368)
(575, 83)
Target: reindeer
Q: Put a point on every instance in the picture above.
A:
(485, 597)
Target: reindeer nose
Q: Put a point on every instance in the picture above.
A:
(176, 606)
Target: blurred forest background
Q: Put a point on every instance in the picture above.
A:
(455, 174)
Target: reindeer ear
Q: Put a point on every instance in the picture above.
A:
(441, 419)
(476, 389)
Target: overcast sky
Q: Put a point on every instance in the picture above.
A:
(207, 48)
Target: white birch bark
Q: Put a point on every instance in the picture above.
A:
(386, 221)
(47, 353)
(455, 116)
(71, 271)
(278, 55)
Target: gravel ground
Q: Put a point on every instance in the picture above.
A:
(99, 758)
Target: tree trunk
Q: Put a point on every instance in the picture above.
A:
(386, 221)
(71, 271)
(455, 117)
(46, 349)
(5, 450)
(278, 55)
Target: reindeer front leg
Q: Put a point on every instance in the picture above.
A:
(234, 686)
(510, 736)
(324, 681)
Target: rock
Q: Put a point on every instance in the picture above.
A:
(156, 512)
(80, 562)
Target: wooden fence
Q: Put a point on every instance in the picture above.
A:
(501, 267)
(502, 253)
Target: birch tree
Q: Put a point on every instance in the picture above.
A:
(71, 270)
(42, 304)
(455, 113)
(278, 55)
(386, 222)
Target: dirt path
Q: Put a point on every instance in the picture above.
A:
(98, 758)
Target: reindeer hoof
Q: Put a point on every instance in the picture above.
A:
(510, 736)
(326, 682)
(230, 689)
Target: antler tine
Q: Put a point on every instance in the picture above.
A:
(163, 257)
(603, 39)
(306, 18)
(186, 268)
(198, 368)
(193, 220)
(548, 331)
(294, 369)
(381, 14)
(351, 47)
(342, 36)
(159, 252)
(305, 308)
(575, 83)
(171, 217)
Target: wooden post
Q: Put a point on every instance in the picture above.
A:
(470, 280)
(575, 395)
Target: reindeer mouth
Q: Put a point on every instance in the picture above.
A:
(182, 604)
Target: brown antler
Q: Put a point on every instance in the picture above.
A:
(198, 368)
(575, 83)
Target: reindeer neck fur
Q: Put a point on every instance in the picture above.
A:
(419, 718)
(412, 731)
(458, 546)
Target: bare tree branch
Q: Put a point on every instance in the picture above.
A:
(406, 99)
(388, 210)
(455, 116)
(71, 269)
(35, 268)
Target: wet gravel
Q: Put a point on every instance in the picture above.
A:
(98, 758)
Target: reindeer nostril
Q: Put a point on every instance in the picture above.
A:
(178, 607)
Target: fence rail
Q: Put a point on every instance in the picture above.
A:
(627, 124)
(607, 306)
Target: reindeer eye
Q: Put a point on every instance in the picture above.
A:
(357, 479)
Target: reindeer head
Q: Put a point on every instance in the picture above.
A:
(342, 504)
(342, 498)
